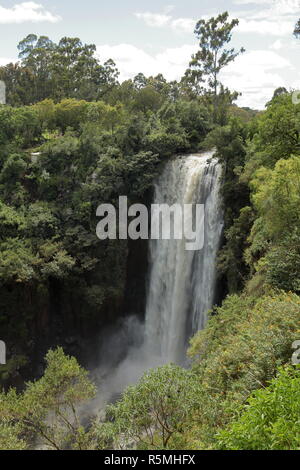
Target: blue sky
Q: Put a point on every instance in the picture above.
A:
(158, 36)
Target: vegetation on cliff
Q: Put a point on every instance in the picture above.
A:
(67, 145)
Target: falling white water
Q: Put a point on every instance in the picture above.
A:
(182, 283)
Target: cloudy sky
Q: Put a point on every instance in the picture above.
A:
(157, 36)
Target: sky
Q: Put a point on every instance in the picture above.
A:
(158, 37)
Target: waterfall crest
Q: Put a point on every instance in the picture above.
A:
(182, 283)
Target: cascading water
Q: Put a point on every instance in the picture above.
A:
(182, 283)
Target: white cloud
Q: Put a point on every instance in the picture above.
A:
(262, 26)
(269, 60)
(26, 12)
(159, 20)
(288, 44)
(168, 8)
(277, 45)
(253, 2)
(265, 17)
(186, 25)
(256, 75)
(283, 5)
(5, 61)
(155, 20)
(271, 17)
(131, 60)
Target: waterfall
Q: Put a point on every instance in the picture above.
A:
(182, 283)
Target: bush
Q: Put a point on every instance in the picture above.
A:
(243, 345)
(156, 409)
(48, 409)
(270, 420)
(283, 264)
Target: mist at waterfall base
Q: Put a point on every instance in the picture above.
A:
(181, 283)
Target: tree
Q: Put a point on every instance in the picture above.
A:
(36, 55)
(270, 420)
(105, 79)
(212, 56)
(245, 341)
(283, 264)
(9, 439)
(140, 81)
(147, 99)
(280, 91)
(72, 63)
(157, 408)
(231, 261)
(20, 84)
(70, 113)
(68, 69)
(48, 409)
(277, 197)
(275, 135)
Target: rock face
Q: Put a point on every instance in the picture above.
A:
(37, 318)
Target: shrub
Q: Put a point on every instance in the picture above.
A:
(270, 420)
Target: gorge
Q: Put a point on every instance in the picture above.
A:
(175, 331)
(180, 285)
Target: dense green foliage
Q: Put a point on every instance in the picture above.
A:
(260, 193)
(73, 137)
(66, 69)
(240, 351)
(48, 409)
(206, 407)
(246, 341)
(251, 335)
(271, 419)
(157, 409)
(212, 56)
